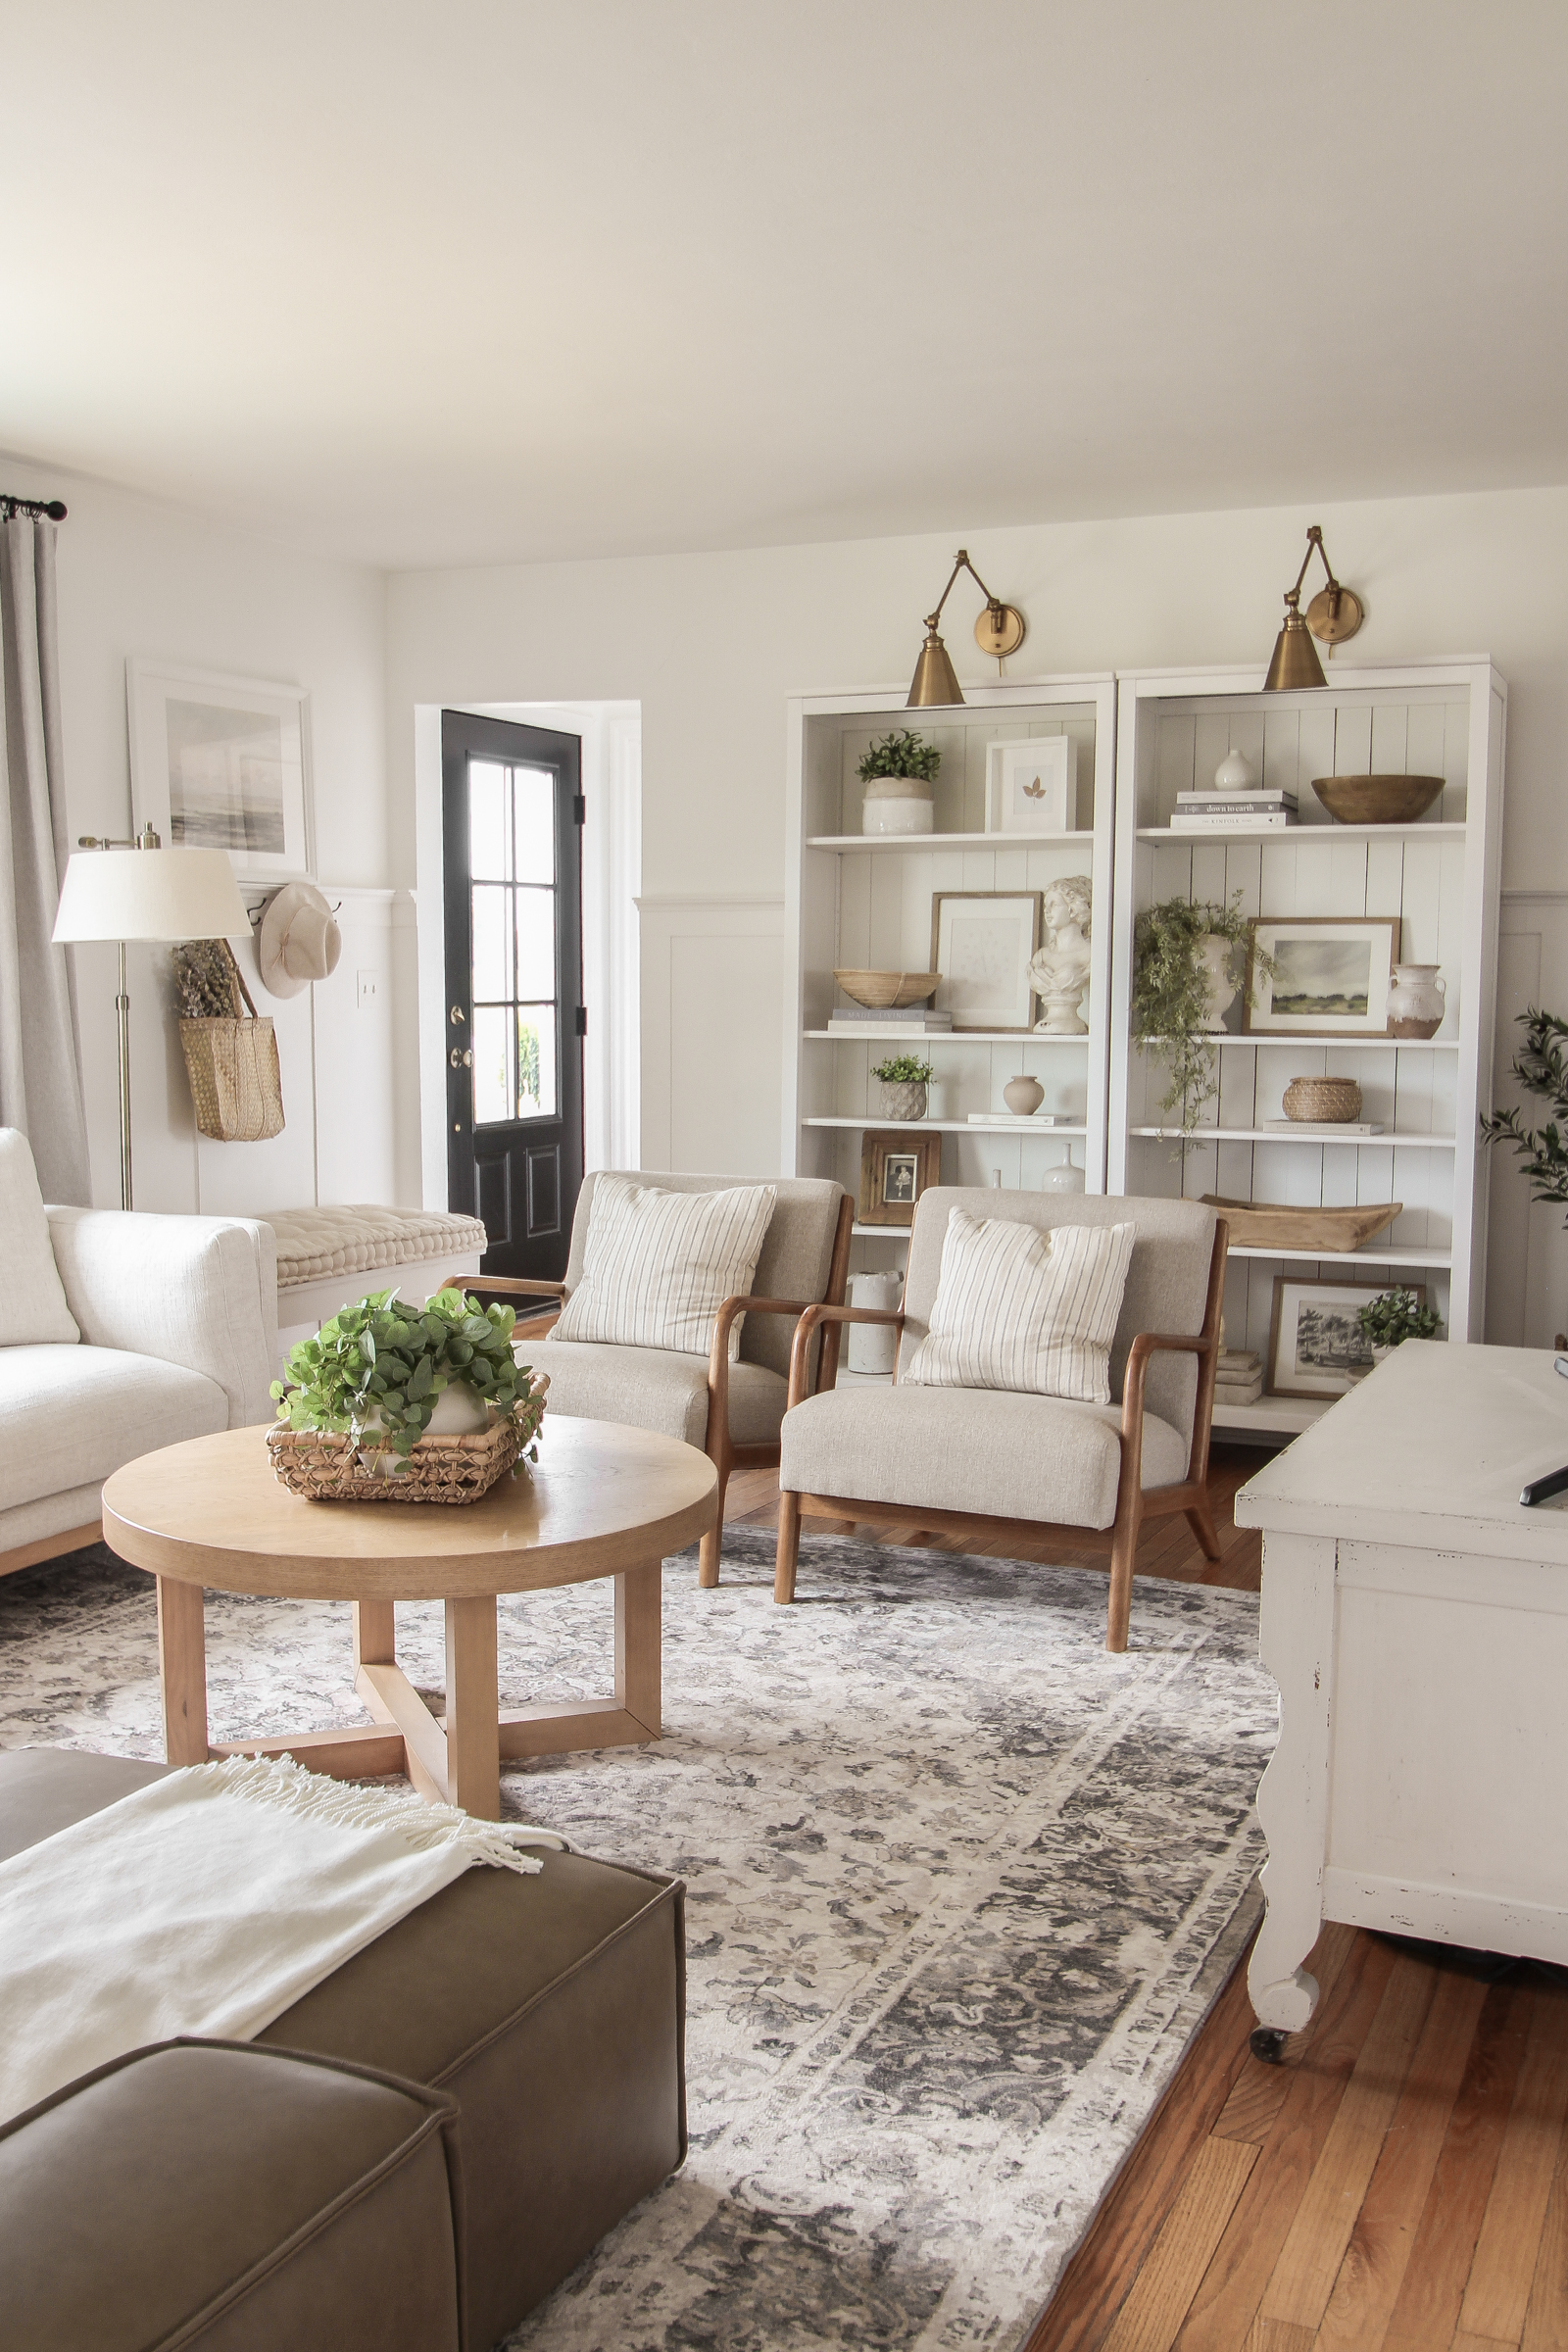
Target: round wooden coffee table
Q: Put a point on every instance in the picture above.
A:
(602, 1501)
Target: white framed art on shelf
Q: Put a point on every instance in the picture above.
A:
(1032, 785)
(982, 942)
(221, 762)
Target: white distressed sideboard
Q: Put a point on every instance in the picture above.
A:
(1415, 1618)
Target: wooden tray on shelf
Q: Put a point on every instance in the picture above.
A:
(1273, 1225)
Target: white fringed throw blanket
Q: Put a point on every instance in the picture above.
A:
(207, 1903)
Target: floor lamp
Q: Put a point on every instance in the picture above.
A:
(129, 891)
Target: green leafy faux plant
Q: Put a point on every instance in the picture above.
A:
(905, 1069)
(1171, 998)
(1393, 1316)
(900, 753)
(375, 1371)
(1541, 1066)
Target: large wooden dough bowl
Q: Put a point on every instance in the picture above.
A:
(1273, 1225)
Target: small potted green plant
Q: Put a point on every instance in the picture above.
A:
(905, 1078)
(385, 1375)
(1190, 958)
(898, 772)
(1393, 1317)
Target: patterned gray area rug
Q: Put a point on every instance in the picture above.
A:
(962, 1886)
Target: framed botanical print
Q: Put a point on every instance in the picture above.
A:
(222, 763)
(1331, 975)
(981, 943)
(1317, 1348)
(1032, 785)
(897, 1166)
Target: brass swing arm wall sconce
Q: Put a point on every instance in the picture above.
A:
(1334, 614)
(1000, 630)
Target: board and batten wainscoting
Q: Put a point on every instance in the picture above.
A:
(712, 986)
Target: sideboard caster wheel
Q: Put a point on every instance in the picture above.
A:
(1269, 2043)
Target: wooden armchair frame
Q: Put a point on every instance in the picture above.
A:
(724, 1455)
(1133, 1506)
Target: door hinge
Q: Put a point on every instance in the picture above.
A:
(582, 1020)
(579, 808)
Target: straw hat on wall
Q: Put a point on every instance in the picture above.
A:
(299, 942)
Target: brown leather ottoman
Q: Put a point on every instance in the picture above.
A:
(552, 2008)
(220, 2197)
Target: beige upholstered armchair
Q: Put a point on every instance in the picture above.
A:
(732, 1411)
(998, 1459)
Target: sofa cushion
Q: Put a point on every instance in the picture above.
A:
(71, 1415)
(552, 2008)
(659, 1265)
(989, 1451)
(1025, 1307)
(652, 1388)
(33, 1297)
(218, 2195)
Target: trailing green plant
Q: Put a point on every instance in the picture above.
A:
(905, 1069)
(375, 1371)
(1171, 998)
(900, 753)
(1541, 1066)
(1393, 1317)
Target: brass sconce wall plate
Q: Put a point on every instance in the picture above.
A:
(1332, 615)
(1000, 630)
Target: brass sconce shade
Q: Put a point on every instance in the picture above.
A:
(1335, 612)
(1000, 630)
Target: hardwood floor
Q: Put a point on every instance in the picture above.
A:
(1400, 2183)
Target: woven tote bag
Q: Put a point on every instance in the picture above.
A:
(235, 1082)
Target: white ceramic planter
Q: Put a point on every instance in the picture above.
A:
(897, 804)
(1217, 957)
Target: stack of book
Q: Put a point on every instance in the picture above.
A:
(1238, 1380)
(850, 1021)
(1260, 810)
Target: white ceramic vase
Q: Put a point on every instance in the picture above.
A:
(1417, 1000)
(1235, 774)
(1064, 1177)
(874, 1346)
(1217, 956)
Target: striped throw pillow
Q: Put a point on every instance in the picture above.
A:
(1025, 1306)
(658, 1266)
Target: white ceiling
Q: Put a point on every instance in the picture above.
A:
(438, 282)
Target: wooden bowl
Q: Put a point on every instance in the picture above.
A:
(1377, 799)
(885, 992)
(1302, 1231)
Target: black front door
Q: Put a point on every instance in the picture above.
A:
(511, 810)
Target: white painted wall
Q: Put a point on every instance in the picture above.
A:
(711, 645)
(136, 577)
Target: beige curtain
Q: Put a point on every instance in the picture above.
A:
(40, 1060)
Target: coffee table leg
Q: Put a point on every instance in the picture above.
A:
(182, 1666)
(374, 1633)
(638, 1592)
(473, 1736)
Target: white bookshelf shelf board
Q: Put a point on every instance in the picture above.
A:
(901, 842)
(865, 901)
(1426, 831)
(1440, 877)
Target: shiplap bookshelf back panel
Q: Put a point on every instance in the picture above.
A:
(958, 802)
(1424, 735)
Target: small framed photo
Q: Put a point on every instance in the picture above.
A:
(1315, 1346)
(1331, 974)
(981, 943)
(896, 1168)
(1032, 785)
(222, 763)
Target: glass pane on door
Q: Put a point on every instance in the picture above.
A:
(538, 1089)
(513, 915)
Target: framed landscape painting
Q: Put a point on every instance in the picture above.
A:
(222, 763)
(1315, 1346)
(1331, 975)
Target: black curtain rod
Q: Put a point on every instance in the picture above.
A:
(54, 508)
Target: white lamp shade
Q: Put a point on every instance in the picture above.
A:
(151, 894)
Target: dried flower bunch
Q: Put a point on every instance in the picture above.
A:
(205, 981)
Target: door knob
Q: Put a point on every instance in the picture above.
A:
(461, 1061)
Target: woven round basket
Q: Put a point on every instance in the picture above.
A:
(322, 1467)
(1325, 1102)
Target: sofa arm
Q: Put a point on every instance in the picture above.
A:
(199, 1292)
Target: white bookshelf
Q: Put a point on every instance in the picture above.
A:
(1441, 877)
(864, 901)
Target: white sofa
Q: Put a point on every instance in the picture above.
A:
(178, 1324)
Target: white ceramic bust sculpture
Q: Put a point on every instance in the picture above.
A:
(1059, 969)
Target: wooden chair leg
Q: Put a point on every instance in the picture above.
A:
(1201, 1522)
(789, 1546)
(1123, 1554)
(711, 1548)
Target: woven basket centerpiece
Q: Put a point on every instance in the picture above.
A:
(324, 1467)
(1323, 1101)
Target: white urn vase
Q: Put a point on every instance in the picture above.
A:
(1417, 1000)
(1217, 957)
